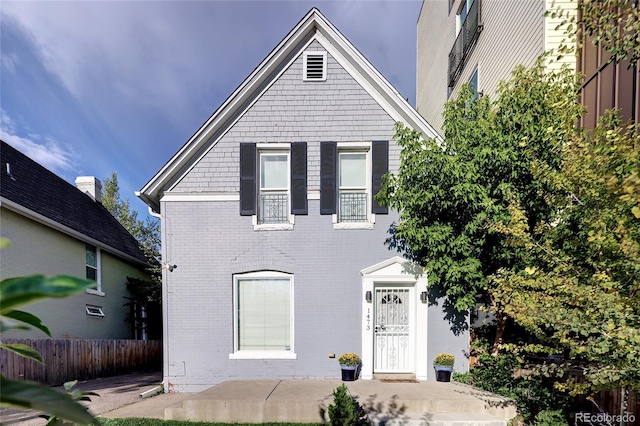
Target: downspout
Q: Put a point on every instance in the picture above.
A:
(154, 214)
(165, 310)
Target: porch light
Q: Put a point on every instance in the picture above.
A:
(424, 297)
(368, 297)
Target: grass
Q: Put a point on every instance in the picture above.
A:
(156, 422)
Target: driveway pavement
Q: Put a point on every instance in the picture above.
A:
(115, 392)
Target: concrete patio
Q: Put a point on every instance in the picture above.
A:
(306, 401)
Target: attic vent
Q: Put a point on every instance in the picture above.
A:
(315, 66)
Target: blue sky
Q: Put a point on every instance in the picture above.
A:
(87, 88)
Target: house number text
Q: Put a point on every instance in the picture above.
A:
(368, 317)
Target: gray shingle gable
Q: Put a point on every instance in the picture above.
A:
(338, 109)
(35, 188)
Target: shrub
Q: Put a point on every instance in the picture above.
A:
(550, 418)
(346, 410)
(507, 375)
(465, 378)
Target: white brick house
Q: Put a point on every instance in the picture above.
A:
(279, 246)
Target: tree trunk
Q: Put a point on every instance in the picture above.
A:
(501, 324)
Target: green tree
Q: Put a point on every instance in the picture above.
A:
(449, 192)
(147, 232)
(346, 410)
(580, 289)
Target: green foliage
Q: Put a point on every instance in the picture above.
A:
(27, 395)
(17, 292)
(76, 395)
(449, 193)
(550, 418)
(580, 286)
(445, 360)
(147, 232)
(146, 293)
(345, 410)
(612, 24)
(513, 377)
(349, 358)
(465, 378)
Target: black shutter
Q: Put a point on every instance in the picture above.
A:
(380, 166)
(248, 179)
(328, 169)
(299, 203)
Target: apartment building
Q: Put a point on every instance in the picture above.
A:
(479, 42)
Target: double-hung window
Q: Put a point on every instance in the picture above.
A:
(273, 204)
(92, 268)
(352, 186)
(350, 176)
(273, 183)
(263, 315)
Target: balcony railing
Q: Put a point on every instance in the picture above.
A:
(274, 208)
(353, 207)
(464, 43)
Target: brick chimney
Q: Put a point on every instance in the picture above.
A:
(91, 186)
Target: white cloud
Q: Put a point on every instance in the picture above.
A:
(46, 151)
(9, 62)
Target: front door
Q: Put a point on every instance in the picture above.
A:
(393, 345)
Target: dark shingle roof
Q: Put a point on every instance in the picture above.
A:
(37, 189)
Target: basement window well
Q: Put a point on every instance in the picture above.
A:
(94, 311)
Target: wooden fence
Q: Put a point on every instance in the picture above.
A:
(78, 359)
(610, 402)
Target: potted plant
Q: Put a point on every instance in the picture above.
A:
(349, 363)
(443, 363)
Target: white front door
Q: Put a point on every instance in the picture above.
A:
(393, 334)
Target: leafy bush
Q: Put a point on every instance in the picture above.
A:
(535, 395)
(345, 410)
(465, 378)
(550, 418)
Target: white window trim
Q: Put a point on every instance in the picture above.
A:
(238, 354)
(274, 148)
(99, 314)
(371, 217)
(305, 55)
(98, 290)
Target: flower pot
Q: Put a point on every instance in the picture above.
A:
(443, 374)
(348, 372)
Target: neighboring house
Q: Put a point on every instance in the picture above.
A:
(55, 228)
(274, 252)
(480, 42)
